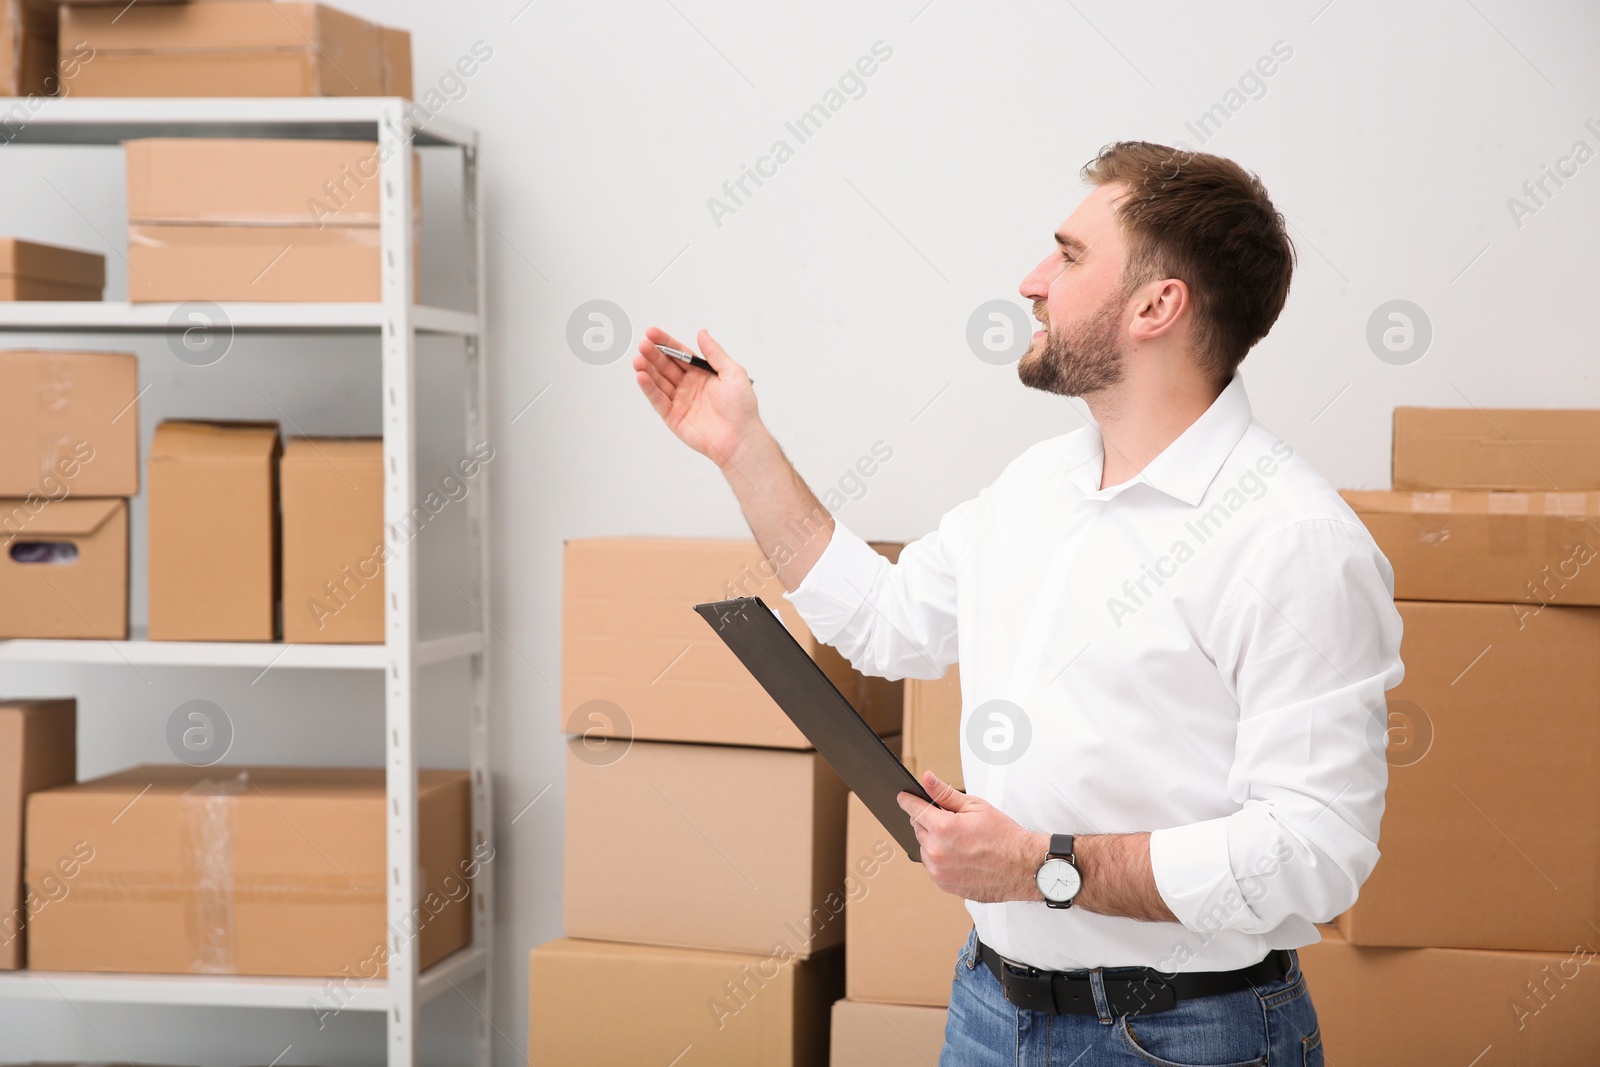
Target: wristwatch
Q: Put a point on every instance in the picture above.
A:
(1058, 876)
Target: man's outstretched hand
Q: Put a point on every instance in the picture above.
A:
(971, 848)
(714, 414)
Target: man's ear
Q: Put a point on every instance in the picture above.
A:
(1158, 309)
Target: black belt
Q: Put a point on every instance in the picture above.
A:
(1128, 991)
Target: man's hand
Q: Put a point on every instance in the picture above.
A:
(714, 414)
(971, 848)
(974, 850)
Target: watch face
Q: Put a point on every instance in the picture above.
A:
(1058, 880)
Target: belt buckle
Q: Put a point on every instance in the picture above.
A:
(1133, 996)
(1026, 987)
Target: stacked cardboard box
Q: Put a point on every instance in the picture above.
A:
(679, 765)
(27, 48)
(611, 1004)
(257, 219)
(333, 550)
(901, 943)
(69, 427)
(241, 48)
(248, 870)
(931, 734)
(631, 638)
(745, 846)
(217, 561)
(1399, 1007)
(1491, 449)
(1497, 800)
(33, 271)
(213, 513)
(886, 1035)
(903, 931)
(1488, 890)
(38, 750)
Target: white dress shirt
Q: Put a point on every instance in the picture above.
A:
(1201, 652)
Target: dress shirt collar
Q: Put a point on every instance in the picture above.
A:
(1186, 468)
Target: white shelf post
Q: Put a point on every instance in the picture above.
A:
(400, 577)
(477, 399)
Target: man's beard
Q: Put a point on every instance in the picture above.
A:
(1084, 359)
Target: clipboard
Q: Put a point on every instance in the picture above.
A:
(838, 732)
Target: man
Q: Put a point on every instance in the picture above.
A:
(1174, 640)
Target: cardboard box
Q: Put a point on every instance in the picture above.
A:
(64, 568)
(258, 220)
(1491, 837)
(69, 423)
(243, 870)
(904, 932)
(333, 555)
(241, 48)
(631, 641)
(886, 1035)
(27, 48)
(617, 1005)
(931, 735)
(33, 271)
(252, 181)
(38, 750)
(253, 263)
(213, 514)
(1525, 548)
(396, 46)
(1399, 1007)
(1496, 448)
(745, 846)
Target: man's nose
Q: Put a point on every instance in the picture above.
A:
(1036, 284)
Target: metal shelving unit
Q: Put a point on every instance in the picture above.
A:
(396, 323)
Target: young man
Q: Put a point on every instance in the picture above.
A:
(1174, 640)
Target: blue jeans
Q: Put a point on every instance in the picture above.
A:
(1270, 1025)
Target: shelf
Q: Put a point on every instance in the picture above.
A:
(92, 316)
(398, 326)
(231, 991)
(259, 655)
(112, 120)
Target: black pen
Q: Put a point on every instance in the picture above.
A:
(690, 358)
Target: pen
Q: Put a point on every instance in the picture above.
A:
(691, 359)
(686, 357)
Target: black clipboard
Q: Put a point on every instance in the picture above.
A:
(838, 732)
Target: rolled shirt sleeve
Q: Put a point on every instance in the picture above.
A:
(890, 620)
(1308, 638)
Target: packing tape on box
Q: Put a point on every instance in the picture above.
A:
(1556, 521)
(1432, 503)
(1573, 505)
(1510, 504)
(208, 853)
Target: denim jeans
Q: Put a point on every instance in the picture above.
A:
(1270, 1025)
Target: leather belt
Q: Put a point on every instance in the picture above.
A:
(1128, 991)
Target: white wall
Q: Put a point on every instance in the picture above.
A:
(1392, 138)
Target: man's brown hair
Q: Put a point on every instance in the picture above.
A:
(1208, 222)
